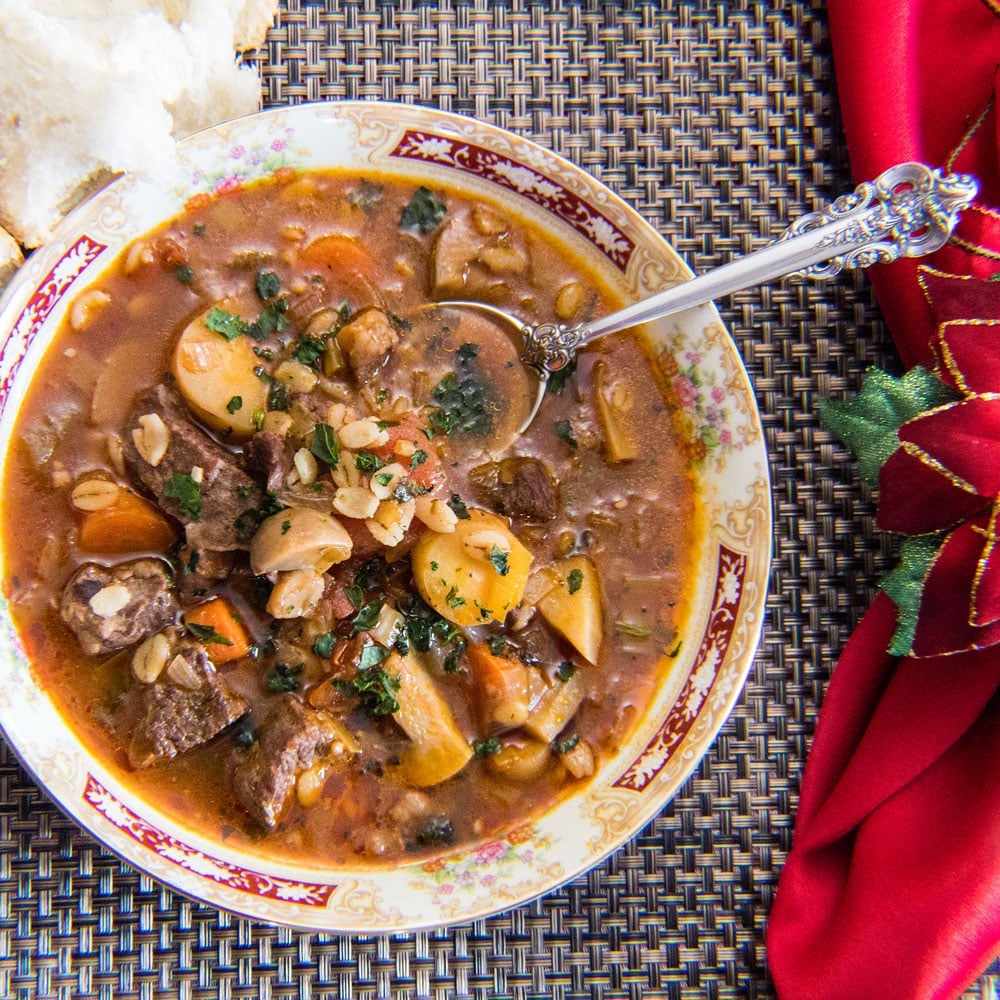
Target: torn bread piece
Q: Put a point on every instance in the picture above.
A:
(89, 91)
(11, 257)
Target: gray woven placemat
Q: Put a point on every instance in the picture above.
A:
(717, 121)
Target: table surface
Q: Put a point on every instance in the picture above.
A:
(718, 122)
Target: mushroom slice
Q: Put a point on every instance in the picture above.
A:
(299, 538)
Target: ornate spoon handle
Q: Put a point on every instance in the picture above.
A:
(908, 211)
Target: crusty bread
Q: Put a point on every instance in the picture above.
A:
(89, 90)
(11, 257)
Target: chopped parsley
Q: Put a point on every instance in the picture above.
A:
(461, 401)
(283, 678)
(564, 431)
(372, 656)
(324, 445)
(424, 213)
(425, 628)
(418, 458)
(383, 478)
(458, 508)
(187, 492)
(498, 560)
(374, 687)
(574, 580)
(309, 350)
(557, 380)
(245, 733)
(272, 319)
(258, 419)
(437, 830)
(278, 396)
(235, 404)
(251, 519)
(564, 746)
(207, 635)
(366, 618)
(565, 670)
(486, 747)
(184, 274)
(454, 599)
(227, 324)
(366, 461)
(498, 645)
(323, 644)
(268, 284)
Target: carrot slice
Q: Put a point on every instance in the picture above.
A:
(130, 524)
(218, 616)
(502, 685)
(340, 253)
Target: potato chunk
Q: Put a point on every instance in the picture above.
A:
(216, 377)
(571, 603)
(439, 748)
(474, 574)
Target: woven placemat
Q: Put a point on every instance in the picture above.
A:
(718, 122)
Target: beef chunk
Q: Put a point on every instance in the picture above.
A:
(110, 608)
(226, 491)
(201, 570)
(269, 457)
(292, 739)
(519, 487)
(367, 341)
(186, 706)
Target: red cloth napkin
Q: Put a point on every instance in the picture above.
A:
(892, 887)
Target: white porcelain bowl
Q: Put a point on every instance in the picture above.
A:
(719, 418)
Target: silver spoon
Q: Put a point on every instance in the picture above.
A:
(907, 211)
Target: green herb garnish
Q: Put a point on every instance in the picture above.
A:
(184, 274)
(365, 461)
(309, 350)
(324, 445)
(284, 678)
(461, 400)
(565, 670)
(206, 634)
(424, 212)
(271, 320)
(458, 507)
(371, 656)
(564, 746)
(486, 747)
(227, 324)
(235, 403)
(498, 560)
(323, 644)
(374, 687)
(187, 492)
(564, 431)
(278, 396)
(366, 618)
(268, 284)
(574, 580)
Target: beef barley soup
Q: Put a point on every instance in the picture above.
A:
(273, 556)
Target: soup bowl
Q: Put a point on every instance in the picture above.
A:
(714, 416)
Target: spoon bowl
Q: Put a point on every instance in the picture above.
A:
(908, 211)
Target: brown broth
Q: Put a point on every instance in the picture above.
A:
(637, 519)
